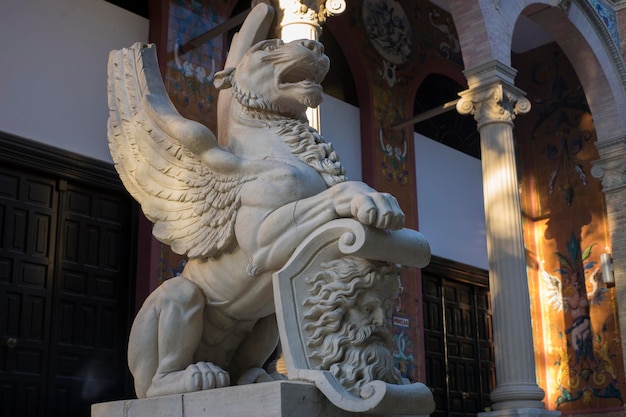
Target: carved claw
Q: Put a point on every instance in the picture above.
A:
(380, 210)
(205, 375)
(369, 207)
(196, 377)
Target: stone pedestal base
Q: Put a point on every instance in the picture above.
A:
(521, 412)
(270, 399)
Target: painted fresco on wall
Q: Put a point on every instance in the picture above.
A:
(577, 343)
(591, 372)
(189, 73)
(440, 40)
(389, 31)
(400, 39)
(395, 165)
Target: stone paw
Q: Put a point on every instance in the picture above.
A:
(204, 375)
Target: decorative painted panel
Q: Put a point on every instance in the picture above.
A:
(189, 75)
(577, 340)
(606, 13)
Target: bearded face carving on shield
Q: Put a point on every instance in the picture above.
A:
(348, 322)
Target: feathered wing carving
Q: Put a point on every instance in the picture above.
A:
(157, 154)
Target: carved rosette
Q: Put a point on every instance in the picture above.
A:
(311, 12)
(611, 167)
(497, 103)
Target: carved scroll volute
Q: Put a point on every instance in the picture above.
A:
(611, 167)
(496, 103)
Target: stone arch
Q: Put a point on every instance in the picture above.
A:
(486, 29)
(589, 47)
(434, 89)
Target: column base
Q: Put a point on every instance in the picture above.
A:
(517, 396)
(520, 412)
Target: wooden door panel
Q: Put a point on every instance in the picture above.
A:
(485, 344)
(435, 359)
(65, 262)
(458, 347)
(27, 227)
(90, 300)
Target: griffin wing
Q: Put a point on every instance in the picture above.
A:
(161, 159)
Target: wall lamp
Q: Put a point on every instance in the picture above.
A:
(608, 277)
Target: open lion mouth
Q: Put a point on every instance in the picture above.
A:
(303, 74)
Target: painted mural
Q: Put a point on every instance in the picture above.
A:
(577, 343)
(190, 71)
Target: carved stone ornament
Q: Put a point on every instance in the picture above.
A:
(611, 167)
(313, 12)
(494, 103)
(333, 305)
(237, 209)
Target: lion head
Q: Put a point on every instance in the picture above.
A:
(278, 77)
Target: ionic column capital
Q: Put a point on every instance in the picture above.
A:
(611, 167)
(498, 102)
(309, 12)
(492, 97)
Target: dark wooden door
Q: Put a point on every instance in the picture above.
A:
(90, 300)
(458, 344)
(65, 262)
(28, 220)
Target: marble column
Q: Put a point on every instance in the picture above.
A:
(494, 102)
(611, 170)
(303, 19)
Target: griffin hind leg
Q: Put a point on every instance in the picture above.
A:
(163, 340)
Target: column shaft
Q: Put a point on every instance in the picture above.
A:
(513, 339)
(494, 102)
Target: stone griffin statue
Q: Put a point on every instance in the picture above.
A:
(237, 208)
